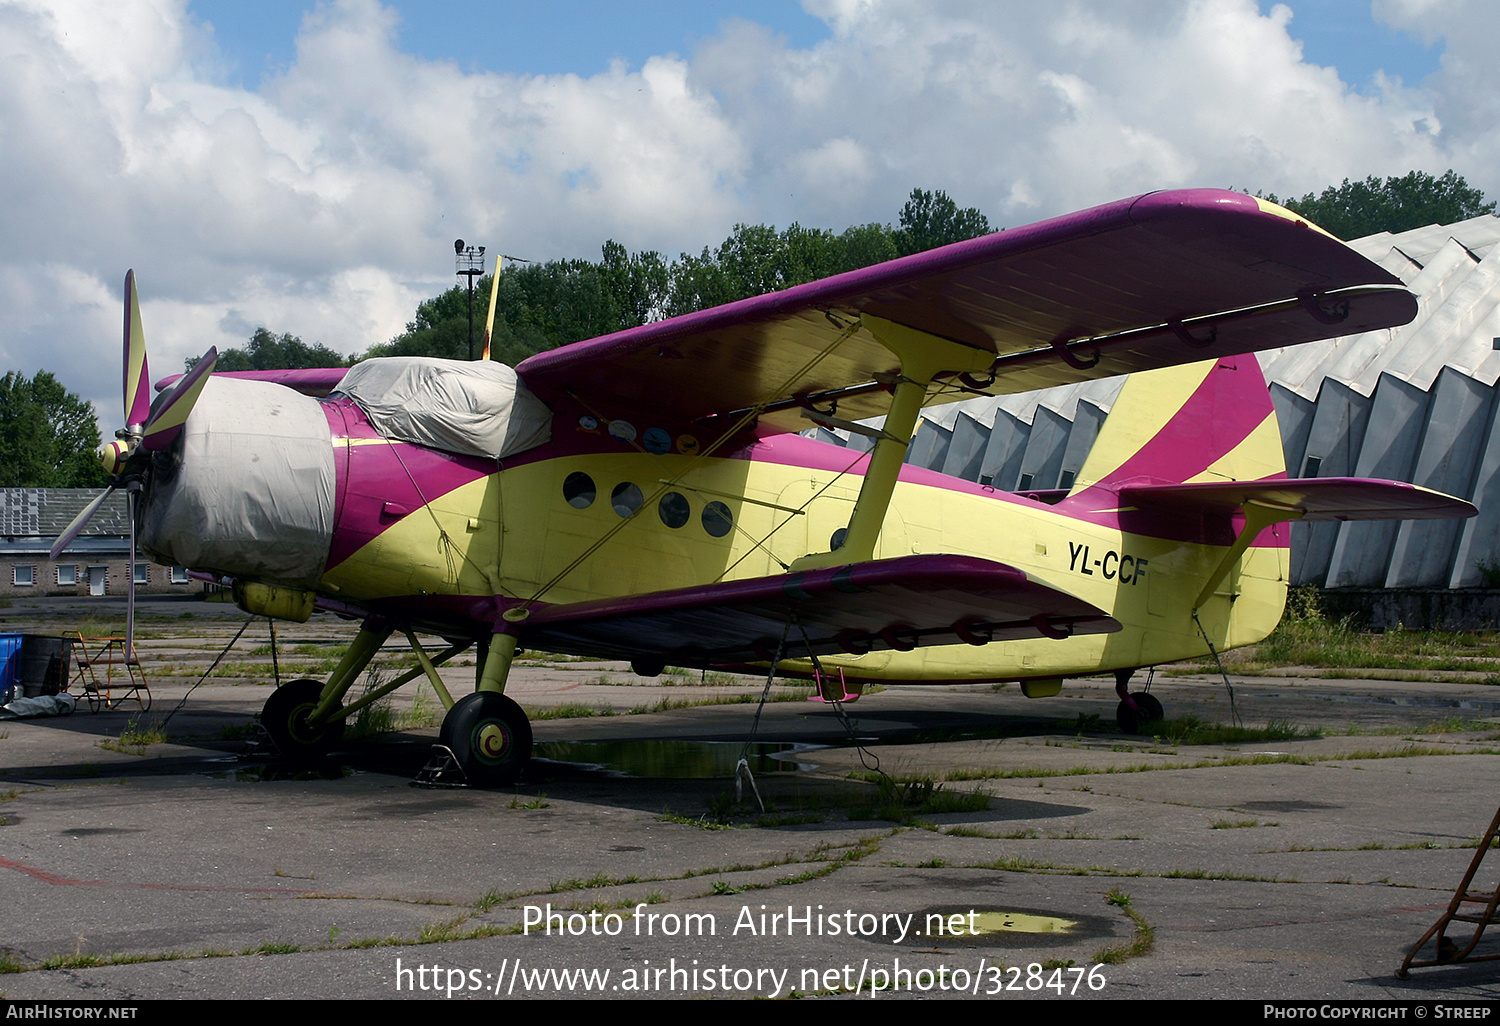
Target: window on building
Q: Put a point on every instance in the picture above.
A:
(67, 574)
(23, 575)
(142, 573)
(179, 575)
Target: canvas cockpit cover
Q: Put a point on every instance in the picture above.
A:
(478, 409)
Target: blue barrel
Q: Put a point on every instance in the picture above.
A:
(10, 666)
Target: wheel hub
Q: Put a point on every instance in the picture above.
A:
(298, 727)
(494, 739)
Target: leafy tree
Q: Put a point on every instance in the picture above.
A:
(539, 306)
(1356, 209)
(545, 305)
(756, 259)
(637, 283)
(48, 435)
(267, 351)
(440, 328)
(931, 219)
(863, 245)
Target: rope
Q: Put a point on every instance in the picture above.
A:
(182, 701)
(1234, 712)
(742, 767)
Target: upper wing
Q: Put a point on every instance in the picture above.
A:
(896, 603)
(1309, 499)
(1165, 278)
(314, 381)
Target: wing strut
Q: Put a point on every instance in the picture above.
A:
(1258, 517)
(923, 357)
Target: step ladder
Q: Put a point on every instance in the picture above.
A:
(108, 672)
(1481, 905)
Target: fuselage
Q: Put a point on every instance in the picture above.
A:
(607, 509)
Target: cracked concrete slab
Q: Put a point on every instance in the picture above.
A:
(1290, 869)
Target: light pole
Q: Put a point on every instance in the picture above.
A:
(469, 262)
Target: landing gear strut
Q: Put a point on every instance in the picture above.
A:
(487, 733)
(1135, 710)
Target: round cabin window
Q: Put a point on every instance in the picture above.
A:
(579, 490)
(674, 510)
(626, 498)
(717, 520)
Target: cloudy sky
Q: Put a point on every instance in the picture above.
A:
(307, 166)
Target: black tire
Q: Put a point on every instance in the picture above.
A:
(285, 719)
(646, 666)
(1131, 721)
(490, 737)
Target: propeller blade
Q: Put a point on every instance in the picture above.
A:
(137, 377)
(166, 423)
(80, 522)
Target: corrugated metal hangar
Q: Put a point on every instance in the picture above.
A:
(1415, 403)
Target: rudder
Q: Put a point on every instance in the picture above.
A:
(1203, 422)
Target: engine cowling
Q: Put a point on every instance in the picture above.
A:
(248, 488)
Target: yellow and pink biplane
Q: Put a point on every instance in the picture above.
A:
(645, 496)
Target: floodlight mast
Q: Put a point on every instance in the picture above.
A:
(469, 262)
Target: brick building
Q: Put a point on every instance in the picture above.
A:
(31, 519)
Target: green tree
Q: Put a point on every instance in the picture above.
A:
(636, 282)
(544, 305)
(863, 245)
(48, 435)
(267, 351)
(539, 306)
(931, 219)
(1356, 209)
(757, 259)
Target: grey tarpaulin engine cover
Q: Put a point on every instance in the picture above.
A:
(478, 409)
(247, 489)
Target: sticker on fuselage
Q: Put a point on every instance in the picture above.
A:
(656, 440)
(1111, 565)
(622, 430)
(687, 444)
(588, 423)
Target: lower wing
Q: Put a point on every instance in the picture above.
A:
(899, 604)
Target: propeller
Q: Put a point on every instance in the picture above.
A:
(148, 428)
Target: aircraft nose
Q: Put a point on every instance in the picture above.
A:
(247, 490)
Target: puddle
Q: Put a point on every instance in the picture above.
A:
(255, 774)
(696, 760)
(1023, 928)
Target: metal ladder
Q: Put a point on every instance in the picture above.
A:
(1444, 950)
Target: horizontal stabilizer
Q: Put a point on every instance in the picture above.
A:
(1310, 499)
(896, 604)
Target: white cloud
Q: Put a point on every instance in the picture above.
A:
(1464, 93)
(325, 204)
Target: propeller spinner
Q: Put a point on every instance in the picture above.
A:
(146, 430)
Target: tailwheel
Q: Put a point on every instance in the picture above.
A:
(285, 719)
(489, 736)
(1147, 710)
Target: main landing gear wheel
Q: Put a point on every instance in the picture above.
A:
(489, 736)
(1132, 721)
(285, 719)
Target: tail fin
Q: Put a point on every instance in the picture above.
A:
(1201, 422)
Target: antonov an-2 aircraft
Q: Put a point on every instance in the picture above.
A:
(644, 496)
